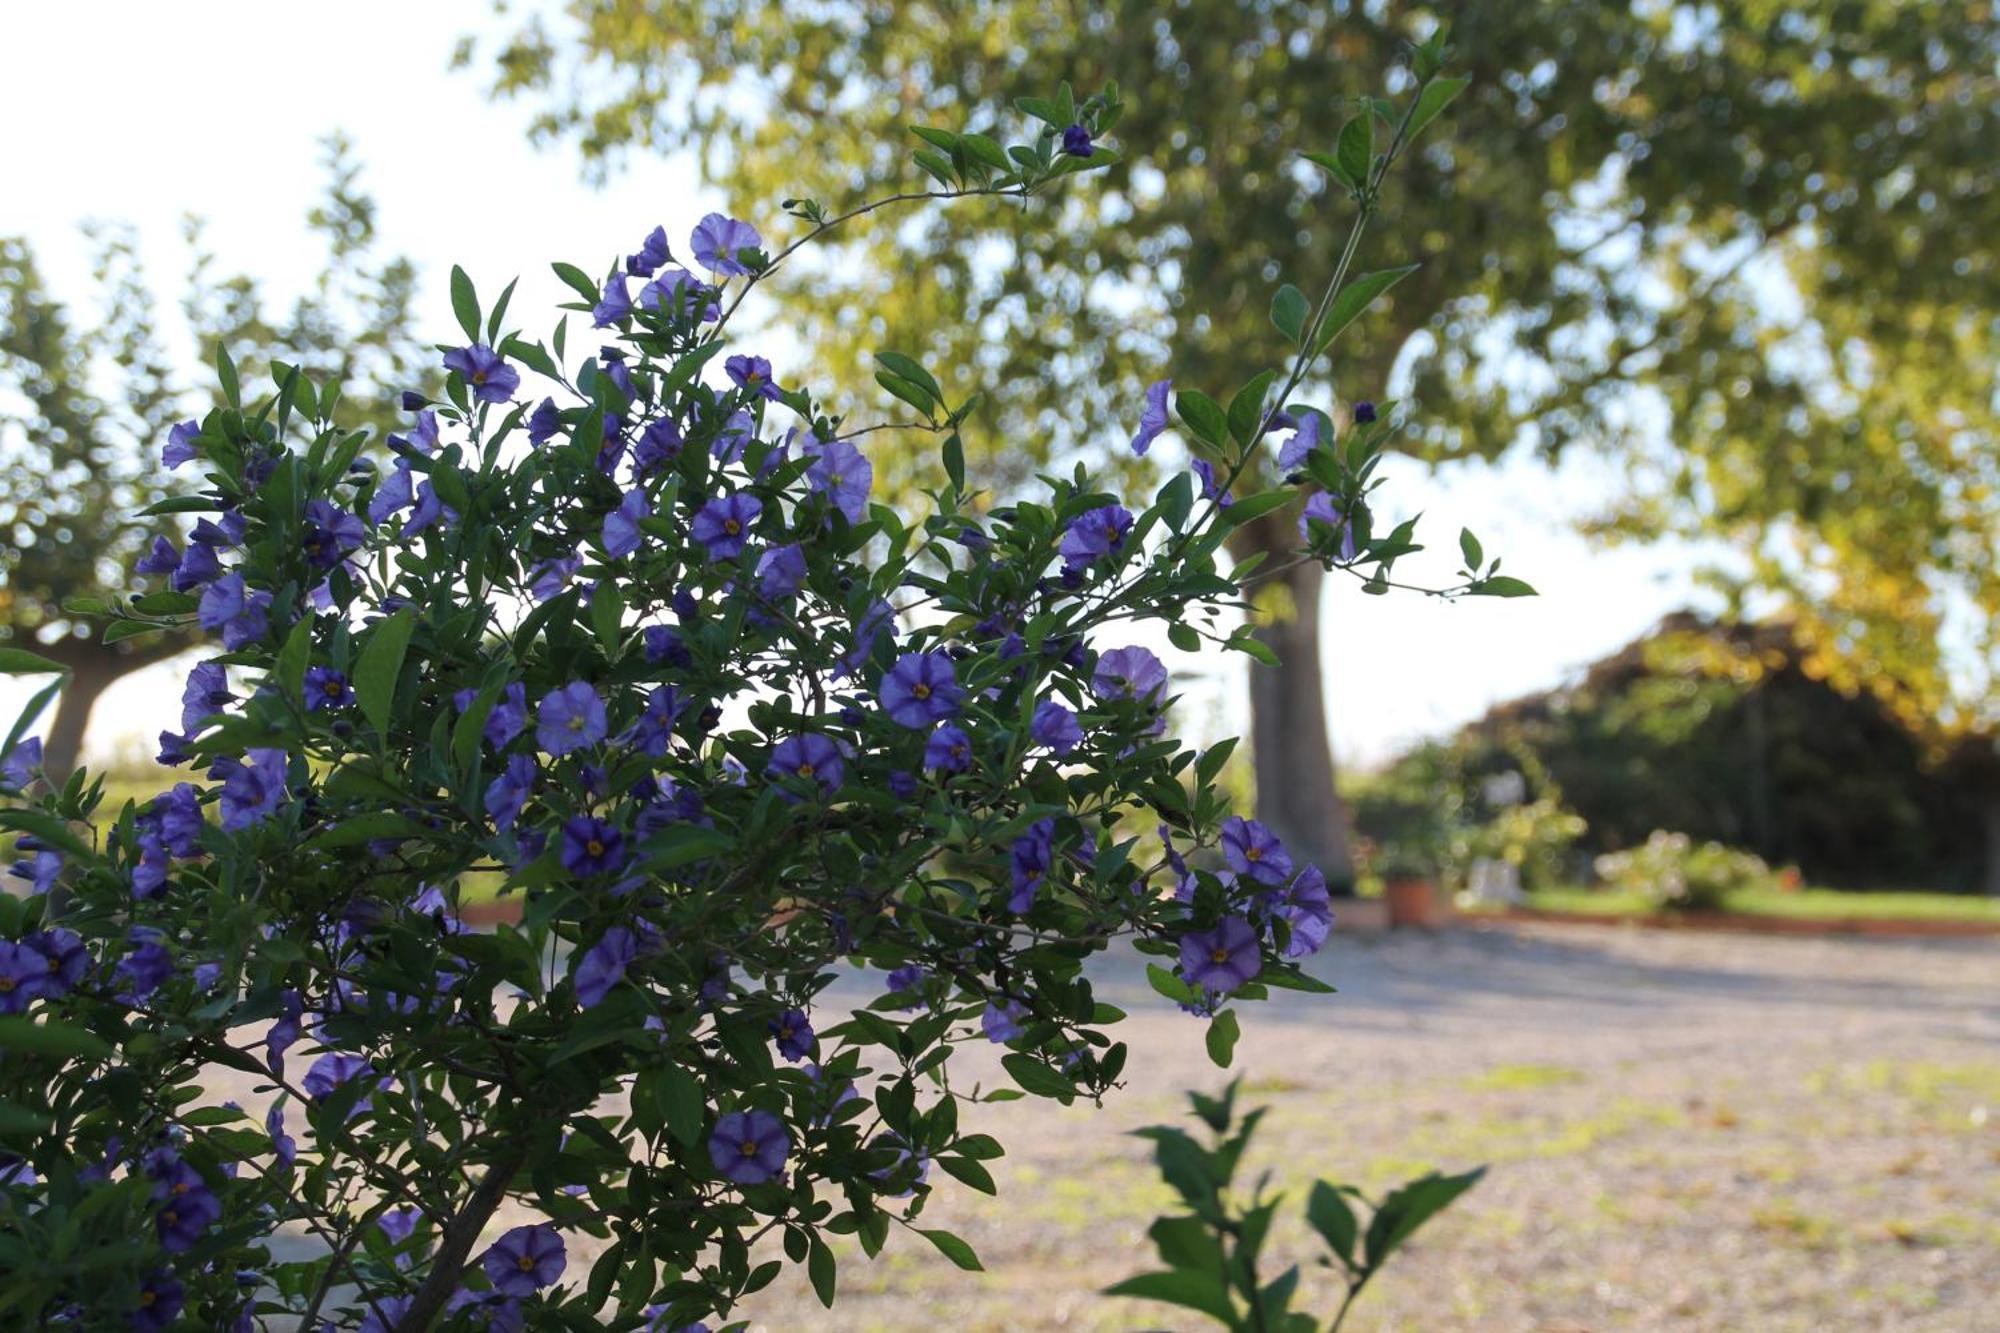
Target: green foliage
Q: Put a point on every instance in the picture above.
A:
(1638, 194)
(1211, 1252)
(1673, 871)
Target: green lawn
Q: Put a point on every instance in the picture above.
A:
(1813, 904)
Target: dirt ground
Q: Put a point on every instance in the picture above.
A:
(1687, 1132)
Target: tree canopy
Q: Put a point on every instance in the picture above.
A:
(87, 399)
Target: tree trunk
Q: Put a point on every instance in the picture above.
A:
(1992, 885)
(1291, 753)
(63, 746)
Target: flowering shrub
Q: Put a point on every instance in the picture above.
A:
(1678, 873)
(634, 648)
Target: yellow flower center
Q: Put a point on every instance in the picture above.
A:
(575, 723)
(594, 847)
(731, 526)
(921, 690)
(6, 985)
(1254, 854)
(805, 770)
(479, 377)
(749, 1147)
(525, 1263)
(333, 688)
(1218, 955)
(147, 1297)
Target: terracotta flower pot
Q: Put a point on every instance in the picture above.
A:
(1412, 902)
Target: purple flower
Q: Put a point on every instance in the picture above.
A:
(330, 535)
(1308, 907)
(905, 978)
(720, 241)
(205, 695)
(160, 558)
(1211, 489)
(843, 474)
(1221, 959)
(1002, 1021)
(179, 447)
(603, 965)
(794, 1034)
(621, 525)
(570, 718)
(1093, 535)
(161, 1297)
(1364, 413)
(187, 1206)
(723, 525)
(752, 374)
(525, 1260)
(253, 791)
(920, 689)
(1056, 727)
(1293, 453)
(1030, 858)
(327, 688)
(384, 1314)
(592, 846)
(552, 576)
(509, 717)
(67, 958)
(509, 792)
(544, 422)
(1076, 143)
(241, 613)
(781, 572)
(486, 372)
(1130, 673)
(949, 750)
(1153, 419)
(659, 443)
(735, 436)
(1254, 851)
(749, 1147)
(664, 646)
(653, 252)
(1320, 509)
(198, 566)
(614, 305)
(396, 493)
(335, 1070)
(145, 969)
(811, 756)
(655, 727)
(284, 1148)
(676, 292)
(18, 769)
(24, 974)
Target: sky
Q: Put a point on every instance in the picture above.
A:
(217, 107)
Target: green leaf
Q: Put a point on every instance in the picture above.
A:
(1184, 1287)
(1356, 297)
(972, 1173)
(49, 1037)
(1246, 409)
(819, 1267)
(904, 368)
(1184, 637)
(954, 1249)
(1503, 585)
(380, 663)
(579, 281)
(1410, 1206)
(1203, 415)
(1468, 546)
(685, 1107)
(1436, 96)
(1256, 506)
(1038, 1078)
(1169, 985)
(1355, 152)
(913, 394)
(1289, 311)
(1222, 1034)
(1175, 500)
(21, 662)
(954, 460)
(465, 303)
(225, 371)
(292, 659)
(45, 826)
(1330, 1216)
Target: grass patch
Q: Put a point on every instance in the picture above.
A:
(1804, 904)
(1517, 1078)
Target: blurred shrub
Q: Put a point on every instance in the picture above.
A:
(1678, 873)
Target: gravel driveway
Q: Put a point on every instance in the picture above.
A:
(1685, 1132)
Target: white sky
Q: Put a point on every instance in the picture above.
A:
(146, 112)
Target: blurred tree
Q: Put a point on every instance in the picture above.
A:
(87, 401)
(1742, 248)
